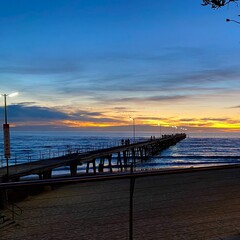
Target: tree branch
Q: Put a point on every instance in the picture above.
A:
(218, 3)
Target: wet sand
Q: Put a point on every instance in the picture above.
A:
(195, 205)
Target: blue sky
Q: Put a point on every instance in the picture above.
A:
(93, 63)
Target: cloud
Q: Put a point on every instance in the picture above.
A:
(235, 106)
(22, 112)
(120, 108)
(82, 113)
(153, 118)
(97, 81)
(143, 99)
(195, 83)
(44, 70)
(25, 113)
(187, 119)
(215, 119)
(40, 66)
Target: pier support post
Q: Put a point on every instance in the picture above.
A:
(125, 157)
(47, 174)
(87, 168)
(145, 153)
(141, 153)
(94, 166)
(119, 161)
(133, 155)
(101, 165)
(110, 162)
(73, 169)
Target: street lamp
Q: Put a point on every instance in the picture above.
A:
(133, 119)
(232, 20)
(6, 131)
(174, 129)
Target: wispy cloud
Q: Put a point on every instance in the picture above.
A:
(22, 112)
(25, 112)
(238, 106)
(142, 99)
(215, 119)
(41, 69)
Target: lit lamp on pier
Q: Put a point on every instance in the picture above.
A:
(133, 119)
(174, 129)
(6, 130)
(182, 129)
(185, 129)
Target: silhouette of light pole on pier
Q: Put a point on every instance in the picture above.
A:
(6, 131)
(134, 130)
(174, 129)
(160, 130)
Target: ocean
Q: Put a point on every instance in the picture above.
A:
(197, 150)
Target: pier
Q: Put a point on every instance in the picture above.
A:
(96, 161)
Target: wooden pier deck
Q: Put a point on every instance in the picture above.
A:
(126, 154)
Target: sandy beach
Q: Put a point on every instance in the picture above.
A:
(194, 205)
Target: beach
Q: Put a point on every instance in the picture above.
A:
(192, 205)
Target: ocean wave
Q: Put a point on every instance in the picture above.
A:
(198, 157)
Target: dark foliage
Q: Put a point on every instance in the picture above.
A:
(218, 3)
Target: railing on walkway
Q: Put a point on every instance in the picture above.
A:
(15, 210)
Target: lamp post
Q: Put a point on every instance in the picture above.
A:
(6, 131)
(185, 131)
(134, 130)
(182, 129)
(232, 20)
(174, 129)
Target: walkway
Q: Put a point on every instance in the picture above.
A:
(202, 205)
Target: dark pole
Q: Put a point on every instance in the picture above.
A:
(5, 125)
(5, 107)
(7, 169)
(134, 130)
(132, 182)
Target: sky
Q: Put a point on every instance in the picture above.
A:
(90, 64)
